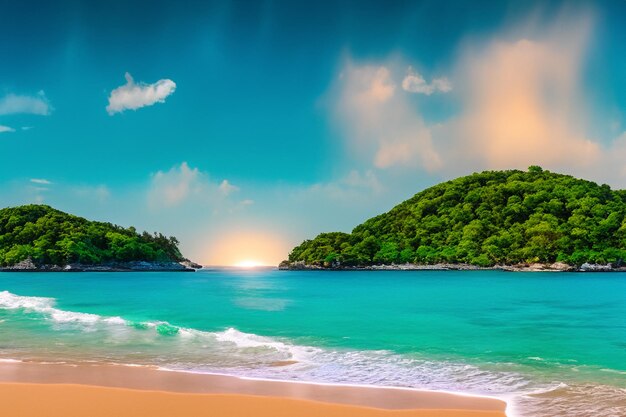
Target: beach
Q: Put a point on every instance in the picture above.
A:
(416, 336)
(114, 390)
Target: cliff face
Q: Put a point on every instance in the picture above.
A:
(496, 219)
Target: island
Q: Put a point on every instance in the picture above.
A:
(38, 237)
(533, 220)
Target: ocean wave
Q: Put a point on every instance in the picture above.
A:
(575, 400)
(45, 306)
(231, 343)
(234, 352)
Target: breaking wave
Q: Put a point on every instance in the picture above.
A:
(231, 351)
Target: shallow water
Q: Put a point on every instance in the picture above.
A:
(552, 344)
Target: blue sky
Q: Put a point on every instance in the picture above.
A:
(250, 126)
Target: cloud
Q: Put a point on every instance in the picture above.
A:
(613, 162)
(380, 125)
(4, 129)
(351, 187)
(97, 193)
(41, 181)
(413, 82)
(132, 96)
(522, 104)
(519, 100)
(227, 188)
(367, 180)
(15, 104)
(183, 184)
(172, 187)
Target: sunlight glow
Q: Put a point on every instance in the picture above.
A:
(248, 264)
(246, 248)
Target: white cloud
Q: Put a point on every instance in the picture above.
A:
(183, 184)
(14, 104)
(40, 181)
(522, 103)
(227, 188)
(132, 96)
(380, 125)
(413, 82)
(4, 129)
(172, 187)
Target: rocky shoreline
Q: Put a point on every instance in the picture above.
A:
(134, 266)
(534, 267)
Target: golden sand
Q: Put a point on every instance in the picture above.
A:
(61, 400)
(28, 389)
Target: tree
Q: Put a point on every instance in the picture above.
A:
(49, 236)
(487, 218)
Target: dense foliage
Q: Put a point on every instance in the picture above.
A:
(49, 236)
(493, 217)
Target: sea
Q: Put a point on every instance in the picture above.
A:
(550, 344)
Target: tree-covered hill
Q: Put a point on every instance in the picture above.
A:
(484, 219)
(52, 237)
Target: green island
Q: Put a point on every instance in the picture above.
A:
(502, 219)
(39, 237)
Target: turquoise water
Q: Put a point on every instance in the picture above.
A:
(551, 344)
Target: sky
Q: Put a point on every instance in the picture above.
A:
(243, 128)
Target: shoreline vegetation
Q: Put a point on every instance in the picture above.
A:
(511, 220)
(164, 393)
(39, 238)
(133, 266)
(535, 267)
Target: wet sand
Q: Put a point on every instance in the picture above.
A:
(31, 389)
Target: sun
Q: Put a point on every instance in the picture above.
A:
(248, 263)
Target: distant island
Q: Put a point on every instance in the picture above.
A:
(512, 220)
(40, 238)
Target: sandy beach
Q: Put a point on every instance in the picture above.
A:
(110, 390)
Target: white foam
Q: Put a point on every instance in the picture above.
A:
(61, 316)
(247, 355)
(230, 337)
(252, 353)
(8, 360)
(11, 301)
(45, 306)
(330, 384)
(115, 320)
(546, 389)
(249, 340)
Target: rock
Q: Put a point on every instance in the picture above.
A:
(587, 267)
(561, 266)
(534, 267)
(301, 266)
(25, 265)
(139, 266)
(189, 264)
